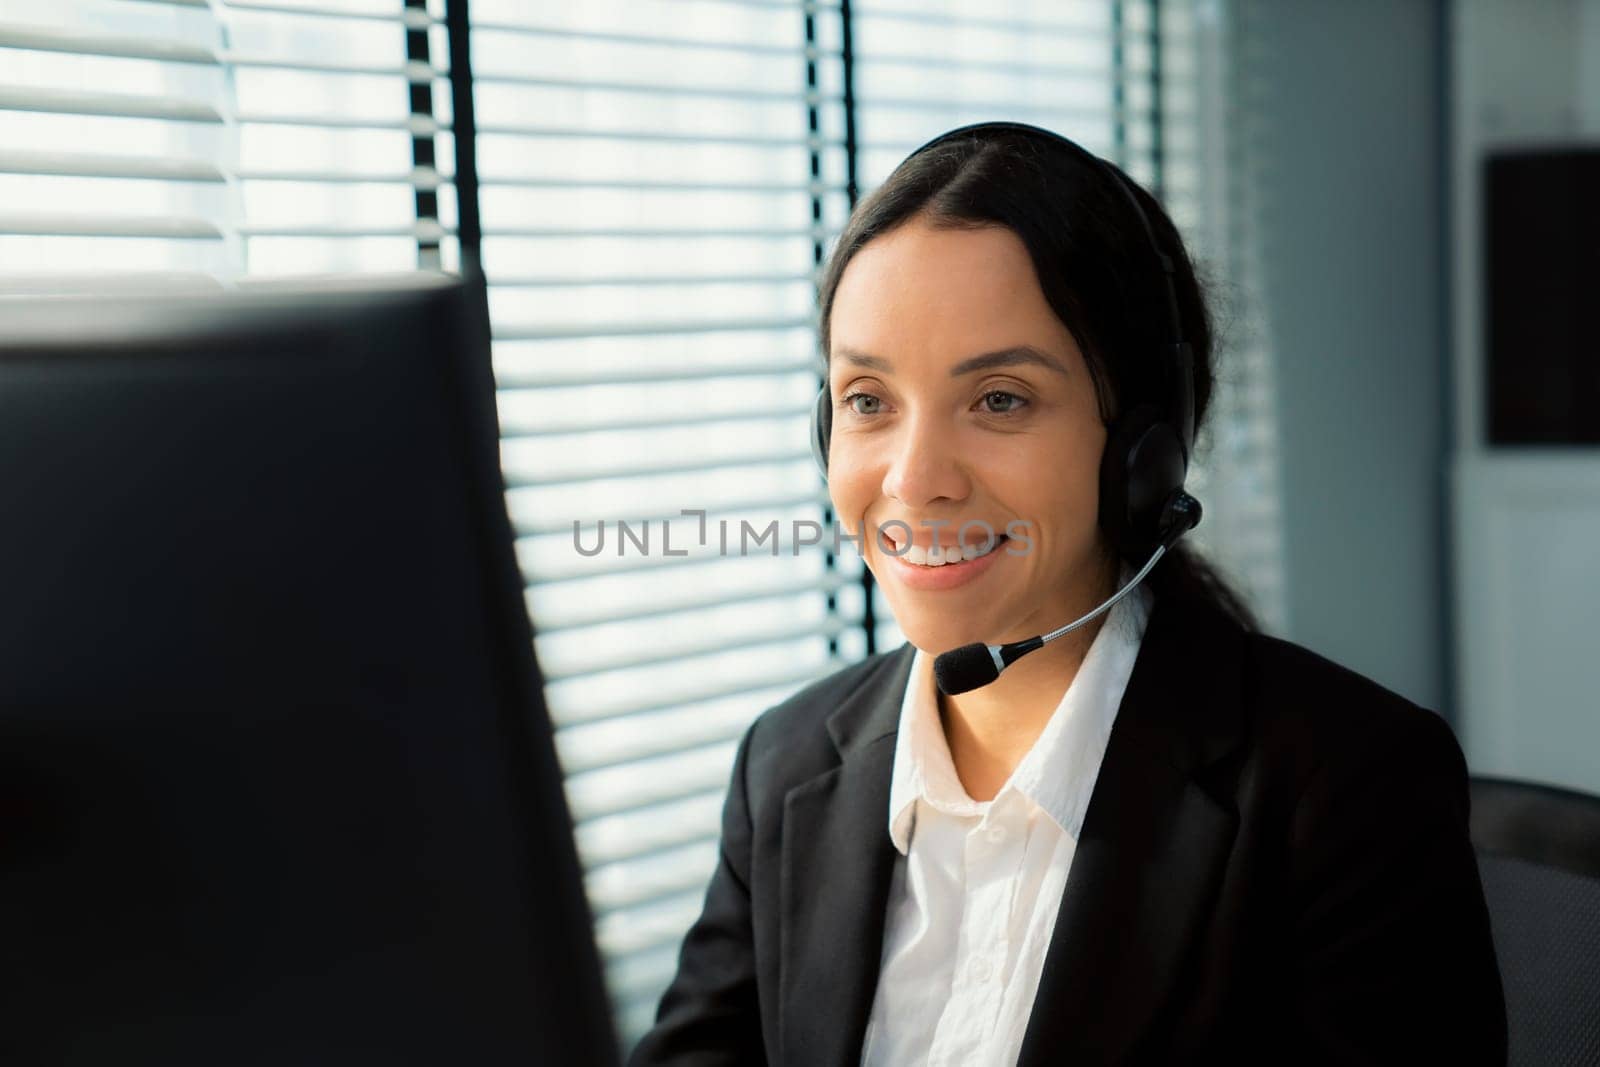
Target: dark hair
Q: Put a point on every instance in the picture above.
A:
(1096, 268)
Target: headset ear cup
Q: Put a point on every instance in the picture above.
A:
(821, 430)
(1142, 467)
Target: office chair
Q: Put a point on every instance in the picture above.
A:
(1538, 852)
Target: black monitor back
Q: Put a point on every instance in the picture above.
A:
(277, 783)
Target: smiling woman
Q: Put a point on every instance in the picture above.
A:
(1164, 838)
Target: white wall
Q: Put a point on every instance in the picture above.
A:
(1526, 522)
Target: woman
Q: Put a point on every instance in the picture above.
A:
(1160, 837)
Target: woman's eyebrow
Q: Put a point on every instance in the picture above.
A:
(1017, 355)
(857, 358)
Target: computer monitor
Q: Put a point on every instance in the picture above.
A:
(277, 782)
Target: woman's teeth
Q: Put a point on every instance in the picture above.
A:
(935, 556)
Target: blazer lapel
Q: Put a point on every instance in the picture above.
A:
(1153, 846)
(837, 864)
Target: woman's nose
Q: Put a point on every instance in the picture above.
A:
(926, 464)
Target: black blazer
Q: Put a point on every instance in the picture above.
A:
(1274, 862)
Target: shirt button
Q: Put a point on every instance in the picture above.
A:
(981, 969)
(996, 833)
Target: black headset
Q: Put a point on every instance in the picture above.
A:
(1142, 501)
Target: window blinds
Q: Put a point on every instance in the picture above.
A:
(1238, 474)
(178, 142)
(658, 182)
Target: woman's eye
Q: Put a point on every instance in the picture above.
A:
(999, 402)
(863, 403)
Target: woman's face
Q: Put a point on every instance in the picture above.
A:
(959, 396)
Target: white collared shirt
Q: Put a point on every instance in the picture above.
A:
(977, 885)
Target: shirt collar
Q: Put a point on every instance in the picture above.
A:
(1058, 773)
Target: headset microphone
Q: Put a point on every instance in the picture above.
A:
(973, 666)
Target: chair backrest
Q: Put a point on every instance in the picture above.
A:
(1539, 855)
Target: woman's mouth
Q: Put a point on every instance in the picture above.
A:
(938, 568)
(935, 556)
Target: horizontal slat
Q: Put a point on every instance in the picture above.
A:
(1009, 67)
(639, 786)
(657, 234)
(615, 837)
(629, 883)
(415, 71)
(54, 225)
(422, 230)
(641, 745)
(548, 429)
(545, 528)
(1075, 112)
(418, 125)
(787, 502)
(84, 43)
(105, 281)
(354, 281)
(656, 89)
(120, 105)
(666, 136)
(645, 469)
(641, 974)
(1027, 27)
(697, 602)
(550, 377)
(610, 566)
(751, 48)
(515, 332)
(775, 5)
(668, 832)
(672, 653)
(666, 925)
(628, 747)
(644, 746)
(409, 17)
(418, 177)
(87, 165)
(1140, 152)
(538, 281)
(635, 804)
(600, 711)
(642, 185)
